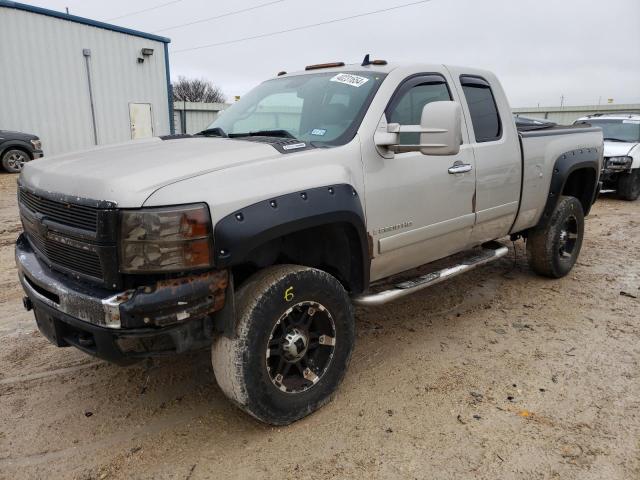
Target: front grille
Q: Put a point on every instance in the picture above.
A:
(77, 237)
(72, 215)
(64, 255)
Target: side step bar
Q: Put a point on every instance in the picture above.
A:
(490, 252)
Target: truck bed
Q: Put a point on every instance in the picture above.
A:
(541, 149)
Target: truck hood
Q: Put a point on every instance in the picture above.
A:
(128, 173)
(618, 149)
(11, 135)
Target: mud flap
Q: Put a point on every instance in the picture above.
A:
(225, 319)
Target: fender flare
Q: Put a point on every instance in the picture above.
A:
(239, 233)
(564, 166)
(9, 144)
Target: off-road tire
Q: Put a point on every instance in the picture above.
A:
(240, 363)
(629, 185)
(545, 244)
(14, 159)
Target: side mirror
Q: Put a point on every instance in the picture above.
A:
(441, 125)
(440, 131)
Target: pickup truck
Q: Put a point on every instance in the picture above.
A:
(318, 190)
(621, 166)
(17, 148)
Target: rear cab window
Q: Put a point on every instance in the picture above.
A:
(487, 125)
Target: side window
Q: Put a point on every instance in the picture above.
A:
(483, 109)
(406, 106)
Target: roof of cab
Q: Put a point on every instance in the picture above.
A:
(387, 68)
(349, 67)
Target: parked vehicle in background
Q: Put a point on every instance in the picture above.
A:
(530, 123)
(18, 148)
(316, 190)
(621, 168)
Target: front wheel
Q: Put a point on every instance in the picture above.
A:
(292, 346)
(629, 185)
(13, 160)
(552, 250)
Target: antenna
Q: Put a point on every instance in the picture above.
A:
(366, 60)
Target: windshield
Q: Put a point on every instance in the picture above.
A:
(322, 109)
(618, 130)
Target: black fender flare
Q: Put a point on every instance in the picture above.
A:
(239, 233)
(22, 145)
(564, 166)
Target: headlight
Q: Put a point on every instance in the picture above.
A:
(619, 163)
(37, 144)
(165, 239)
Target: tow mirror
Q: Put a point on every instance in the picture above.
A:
(441, 124)
(440, 131)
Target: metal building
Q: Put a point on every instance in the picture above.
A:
(77, 83)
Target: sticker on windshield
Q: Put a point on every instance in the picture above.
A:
(349, 79)
(318, 131)
(294, 146)
(635, 122)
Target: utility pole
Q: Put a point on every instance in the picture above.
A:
(561, 101)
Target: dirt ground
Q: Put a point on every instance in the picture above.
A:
(496, 374)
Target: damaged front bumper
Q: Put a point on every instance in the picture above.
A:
(168, 316)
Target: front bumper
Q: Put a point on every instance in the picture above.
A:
(170, 316)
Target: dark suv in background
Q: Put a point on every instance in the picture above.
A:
(16, 148)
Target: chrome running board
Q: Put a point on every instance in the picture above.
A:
(490, 252)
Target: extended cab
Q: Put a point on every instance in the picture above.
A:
(314, 192)
(621, 167)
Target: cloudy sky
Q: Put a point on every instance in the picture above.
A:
(584, 50)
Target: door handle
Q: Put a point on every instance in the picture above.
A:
(460, 168)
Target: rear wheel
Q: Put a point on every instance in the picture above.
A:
(552, 250)
(292, 346)
(629, 185)
(13, 160)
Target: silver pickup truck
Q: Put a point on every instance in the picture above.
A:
(314, 192)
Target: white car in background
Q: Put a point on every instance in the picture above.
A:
(621, 167)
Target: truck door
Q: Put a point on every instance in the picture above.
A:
(497, 152)
(418, 209)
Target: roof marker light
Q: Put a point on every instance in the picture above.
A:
(324, 65)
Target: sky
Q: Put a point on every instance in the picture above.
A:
(583, 51)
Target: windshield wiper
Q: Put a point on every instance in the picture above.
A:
(265, 133)
(615, 139)
(216, 131)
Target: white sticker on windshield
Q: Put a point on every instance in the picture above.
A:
(349, 79)
(635, 122)
(294, 146)
(318, 131)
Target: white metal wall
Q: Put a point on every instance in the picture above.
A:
(44, 88)
(195, 116)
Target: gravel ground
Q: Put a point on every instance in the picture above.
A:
(496, 374)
